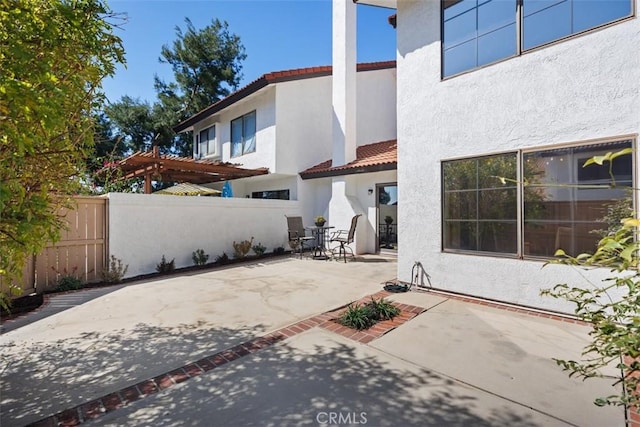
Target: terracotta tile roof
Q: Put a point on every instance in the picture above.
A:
(271, 78)
(369, 158)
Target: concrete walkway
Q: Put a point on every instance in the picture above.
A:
(457, 363)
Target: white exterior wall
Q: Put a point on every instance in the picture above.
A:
(584, 88)
(263, 103)
(376, 106)
(303, 118)
(143, 227)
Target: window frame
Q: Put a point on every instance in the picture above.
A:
(521, 220)
(515, 254)
(283, 192)
(243, 138)
(520, 50)
(212, 146)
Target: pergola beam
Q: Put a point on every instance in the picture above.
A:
(154, 166)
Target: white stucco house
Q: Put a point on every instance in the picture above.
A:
(283, 121)
(519, 89)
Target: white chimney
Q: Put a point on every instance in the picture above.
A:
(344, 82)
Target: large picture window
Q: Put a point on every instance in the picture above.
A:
(480, 32)
(562, 203)
(243, 135)
(480, 214)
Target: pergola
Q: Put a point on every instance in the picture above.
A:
(154, 166)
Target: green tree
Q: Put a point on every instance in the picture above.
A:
(53, 57)
(132, 121)
(207, 66)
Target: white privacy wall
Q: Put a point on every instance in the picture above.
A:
(143, 227)
(577, 90)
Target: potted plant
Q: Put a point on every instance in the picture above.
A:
(388, 219)
(320, 221)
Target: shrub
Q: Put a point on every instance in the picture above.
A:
(222, 259)
(279, 250)
(259, 249)
(382, 309)
(199, 257)
(364, 316)
(166, 267)
(357, 317)
(68, 283)
(241, 249)
(114, 271)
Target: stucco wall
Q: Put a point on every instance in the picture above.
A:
(376, 106)
(264, 105)
(580, 89)
(143, 227)
(303, 118)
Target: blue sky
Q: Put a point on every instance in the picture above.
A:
(277, 35)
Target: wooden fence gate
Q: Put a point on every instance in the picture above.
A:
(81, 251)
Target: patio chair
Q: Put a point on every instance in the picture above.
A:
(297, 235)
(344, 237)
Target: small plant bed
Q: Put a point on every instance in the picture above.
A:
(389, 316)
(363, 316)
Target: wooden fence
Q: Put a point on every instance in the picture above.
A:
(80, 252)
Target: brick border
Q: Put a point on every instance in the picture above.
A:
(98, 407)
(407, 312)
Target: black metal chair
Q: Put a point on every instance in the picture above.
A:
(297, 235)
(345, 237)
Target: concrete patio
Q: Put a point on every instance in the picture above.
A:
(457, 363)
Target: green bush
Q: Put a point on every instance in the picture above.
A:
(259, 249)
(166, 267)
(279, 250)
(222, 259)
(115, 271)
(68, 283)
(364, 316)
(199, 257)
(357, 317)
(67, 280)
(382, 309)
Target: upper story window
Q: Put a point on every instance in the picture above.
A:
(480, 32)
(243, 134)
(477, 32)
(206, 142)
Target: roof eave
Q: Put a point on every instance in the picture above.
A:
(265, 80)
(349, 171)
(388, 4)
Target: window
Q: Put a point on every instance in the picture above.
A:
(480, 213)
(272, 194)
(206, 142)
(562, 201)
(480, 32)
(477, 32)
(243, 135)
